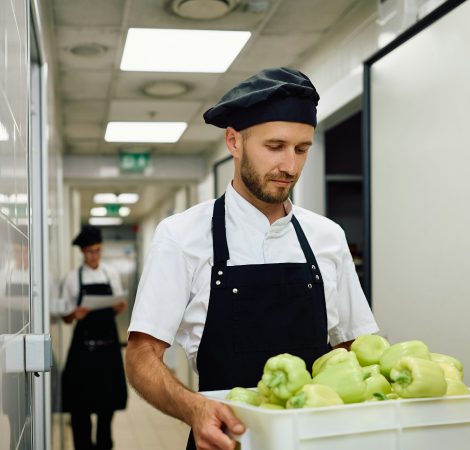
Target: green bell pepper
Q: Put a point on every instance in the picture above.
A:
(456, 387)
(243, 395)
(392, 396)
(314, 395)
(450, 371)
(415, 378)
(391, 356)
(369, 348)
(284, 374)
(267, 396)
(446, 359)
(344, 375)
(368, 371)
(271, 406)
(377, 384)
(320, 362)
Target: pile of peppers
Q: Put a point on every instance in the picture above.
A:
(373, 370)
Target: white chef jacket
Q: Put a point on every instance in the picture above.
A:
(173, 294)
(104, 273)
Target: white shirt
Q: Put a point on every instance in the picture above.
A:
(103, 274)
(173, 294)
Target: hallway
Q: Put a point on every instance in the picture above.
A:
(139, 427)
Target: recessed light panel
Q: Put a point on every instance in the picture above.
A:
(105, 221)
(171, 50)
(163, 132)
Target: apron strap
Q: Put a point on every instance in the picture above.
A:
(309, 256)
(219, 236)
(80, 286)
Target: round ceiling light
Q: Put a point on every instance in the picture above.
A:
(92, 49)
(202, 9)
(165, 88)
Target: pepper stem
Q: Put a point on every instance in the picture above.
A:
(403, 378)
(298, 401)
(276, 379)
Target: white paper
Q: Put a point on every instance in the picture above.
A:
(102, 301)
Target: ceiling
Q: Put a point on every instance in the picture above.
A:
(93, 90)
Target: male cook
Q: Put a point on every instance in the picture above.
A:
(249, 275)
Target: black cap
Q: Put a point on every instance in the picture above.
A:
(89, 235)
(279, 94)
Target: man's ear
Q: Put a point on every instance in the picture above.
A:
(234, 142)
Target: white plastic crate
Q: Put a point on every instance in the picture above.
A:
(414, 424)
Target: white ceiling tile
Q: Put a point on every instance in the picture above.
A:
(158, 14)
(206, 133)
(82, 84)
(83, 131)
(130, 84)
(88, 12)
(307, 15)
(288, 48)
(158, 110)
(84, 111)
(82, 147)
(70, 37)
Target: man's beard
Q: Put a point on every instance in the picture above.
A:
(257, 184)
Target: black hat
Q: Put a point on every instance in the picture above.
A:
(89, 235)
(279, 94)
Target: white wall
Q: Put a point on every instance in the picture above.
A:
(420, 188)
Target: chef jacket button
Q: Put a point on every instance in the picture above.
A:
(317, 277)
(220, 272)
(313, 267)
(218, 282)
(309, 285)
(235, 290)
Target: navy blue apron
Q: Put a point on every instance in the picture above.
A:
(258, 311)
(93, 379)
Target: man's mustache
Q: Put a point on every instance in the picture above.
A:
(281, 176)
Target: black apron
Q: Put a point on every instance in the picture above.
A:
(93, 379)
(258, 311)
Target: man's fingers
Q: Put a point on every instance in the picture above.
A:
(228, 418)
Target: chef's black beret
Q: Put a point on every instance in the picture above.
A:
(88, 235)
(279, 94)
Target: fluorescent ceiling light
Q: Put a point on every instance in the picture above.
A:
(105, 221)
(166, 132)
(105, 198)
(124, 211)
(126, 198)
(4, 136)
(99, 211)
(170, 50)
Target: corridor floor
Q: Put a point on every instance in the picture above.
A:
(139, 427)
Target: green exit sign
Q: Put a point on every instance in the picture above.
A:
(112, 210)
(134, 162)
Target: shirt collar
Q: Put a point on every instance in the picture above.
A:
(240, 209)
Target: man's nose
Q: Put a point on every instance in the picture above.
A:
(288, 163)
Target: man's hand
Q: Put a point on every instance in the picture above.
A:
(80, 312)
(118, 308)
(209, 419)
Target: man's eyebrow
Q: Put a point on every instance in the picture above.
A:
(282, 141)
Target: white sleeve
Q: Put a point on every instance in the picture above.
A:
(115, 280)
(355, 316)
(70, 291)
(164, 288)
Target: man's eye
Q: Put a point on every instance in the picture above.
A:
(301, 150)
(274, 147)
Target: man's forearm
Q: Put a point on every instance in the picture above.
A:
(156, 384)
